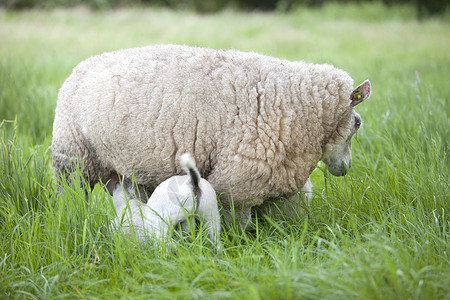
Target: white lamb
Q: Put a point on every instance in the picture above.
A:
(172, 202)
(256, 125)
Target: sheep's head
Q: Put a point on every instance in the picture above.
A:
(337, 155)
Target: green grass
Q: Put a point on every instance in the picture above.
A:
(381, 232)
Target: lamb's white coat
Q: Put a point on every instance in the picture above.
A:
(256, 125)
(171, 203)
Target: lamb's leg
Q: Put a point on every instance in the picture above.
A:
(307, 191)
(160, 231)
(187, 224)
(212, 220)
(131, 213)
(214, 228)
(120, 199)
(208, 211)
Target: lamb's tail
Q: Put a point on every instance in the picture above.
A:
(187, 162)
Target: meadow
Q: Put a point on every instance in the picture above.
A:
(381, 232)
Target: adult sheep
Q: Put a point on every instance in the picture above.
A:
(256, 125)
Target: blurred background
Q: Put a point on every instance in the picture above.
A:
(424, 8)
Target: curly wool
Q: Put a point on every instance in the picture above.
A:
(256, 125)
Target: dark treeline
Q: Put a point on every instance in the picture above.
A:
(425, 8)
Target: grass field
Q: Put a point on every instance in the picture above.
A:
(381, 232)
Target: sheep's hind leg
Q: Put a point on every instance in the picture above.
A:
(71, 156)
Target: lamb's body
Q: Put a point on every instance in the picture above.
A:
(172, 202)
(256, 125)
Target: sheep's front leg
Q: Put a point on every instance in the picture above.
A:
(291, 206)
(239, 216)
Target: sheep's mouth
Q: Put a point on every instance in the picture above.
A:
(337, 169)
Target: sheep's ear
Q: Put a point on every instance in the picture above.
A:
(361, 93)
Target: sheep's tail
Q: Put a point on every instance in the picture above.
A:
(187, 162)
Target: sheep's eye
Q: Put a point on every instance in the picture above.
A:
(357, 122)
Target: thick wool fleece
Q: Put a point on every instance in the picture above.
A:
(256, 125)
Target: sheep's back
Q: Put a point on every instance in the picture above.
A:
(141, 108)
